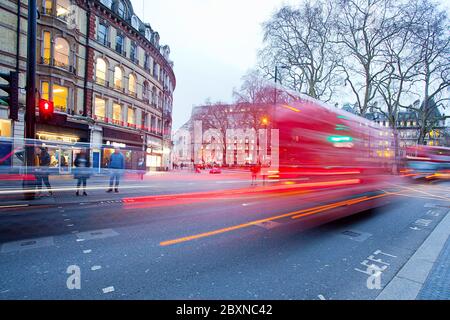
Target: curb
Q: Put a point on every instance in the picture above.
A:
(410, 280)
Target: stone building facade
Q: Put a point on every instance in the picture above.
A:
(109, 77)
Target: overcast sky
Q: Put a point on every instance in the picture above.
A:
(213, 43)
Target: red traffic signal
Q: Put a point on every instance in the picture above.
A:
(46, 109)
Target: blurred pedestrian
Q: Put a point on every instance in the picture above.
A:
(82, 171)
(42, 173)
(117, 165)
(255, 170)
(141, 168)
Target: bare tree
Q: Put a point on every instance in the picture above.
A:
(217, 116)
(299, 41)
(363, 27)
(432, 37)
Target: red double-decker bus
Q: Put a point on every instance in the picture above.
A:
(333, 154)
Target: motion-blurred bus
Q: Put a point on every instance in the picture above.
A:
(429, 162)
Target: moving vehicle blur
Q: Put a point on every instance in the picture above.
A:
(428, 162)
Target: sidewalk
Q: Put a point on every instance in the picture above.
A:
(426, 276)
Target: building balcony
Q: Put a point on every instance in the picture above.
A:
(58, 64)
(102, 82)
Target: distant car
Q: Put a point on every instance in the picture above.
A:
(215, 171)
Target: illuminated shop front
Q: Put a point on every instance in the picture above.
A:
(154, 154)
(129, 144)
(63, 142)
(5, 128)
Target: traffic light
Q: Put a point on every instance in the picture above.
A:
(12, 90)
(46, 109)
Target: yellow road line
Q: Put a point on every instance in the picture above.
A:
(309, 211)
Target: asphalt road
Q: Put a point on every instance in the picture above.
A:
(213, 246)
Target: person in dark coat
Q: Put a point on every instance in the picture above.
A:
(42, 174)
(82, 171)
(117, 165)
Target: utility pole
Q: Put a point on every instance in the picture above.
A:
(30, 111)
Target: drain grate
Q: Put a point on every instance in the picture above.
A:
(351, 234)
(356, 235)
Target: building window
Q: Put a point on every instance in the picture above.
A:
(155, 71)
(60, 98)
(62, 9)
(100, 72)
(147, 62)
(122, 10)
(132, 84)
(107, 3)
(48, 6)
(144, 120)
(102, 34)
(145, 90)
(117, 112)
(119, 43)
(45, 91)
(154, 96)
(118, 76)
(133, 52)
(62, 52)
(46, 48)
(131, 116)
(100, 108)
(135, 22)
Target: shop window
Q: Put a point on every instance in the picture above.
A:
(118, 76)
(62, 52)
(60, 97)
(117, 112)
(5, 128)
(100, 72)
(100, 108)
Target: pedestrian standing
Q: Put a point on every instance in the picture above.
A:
(82, 171)
(116, 165)
(43, 170)
(141, 168)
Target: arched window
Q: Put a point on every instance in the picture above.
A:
(135, 22)
(132, 84)
(100, 71)
(62, 53)
(118, 76)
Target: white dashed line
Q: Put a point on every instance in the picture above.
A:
(108, 290)
(95, 268)
(321, 297)
(87, 251)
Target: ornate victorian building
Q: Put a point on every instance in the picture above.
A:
(109, 77)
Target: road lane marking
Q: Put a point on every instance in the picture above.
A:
(87, 251)
(14, 206)
(108, 289)
(297, 214)
(95, 268)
